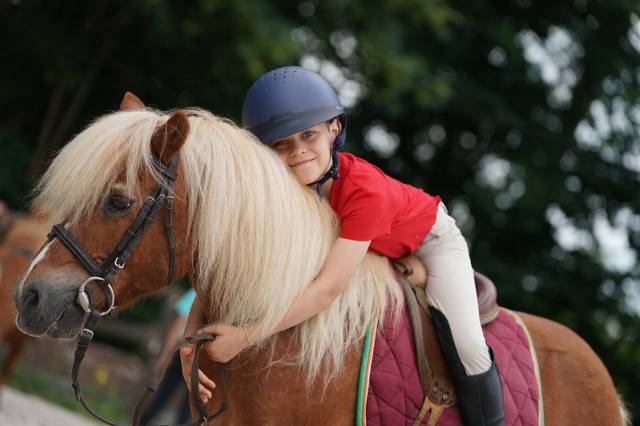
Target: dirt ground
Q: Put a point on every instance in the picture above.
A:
(108, 376)
(44, 370)
(20, 409)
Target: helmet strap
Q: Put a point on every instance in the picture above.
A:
(332, 173)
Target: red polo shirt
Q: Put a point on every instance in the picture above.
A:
(396, 217)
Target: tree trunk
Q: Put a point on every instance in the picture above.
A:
(49, 139)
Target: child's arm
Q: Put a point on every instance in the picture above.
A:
(345, 256)
(343, 259)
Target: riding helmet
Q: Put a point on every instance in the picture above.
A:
(288, 100)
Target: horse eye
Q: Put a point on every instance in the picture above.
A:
(119, 202)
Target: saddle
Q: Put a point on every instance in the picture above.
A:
(434, 374)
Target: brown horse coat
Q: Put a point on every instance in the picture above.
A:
(22, 241)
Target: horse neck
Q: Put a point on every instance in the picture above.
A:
(265, 234)
(260, 374)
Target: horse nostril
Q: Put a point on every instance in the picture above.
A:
(31, 298)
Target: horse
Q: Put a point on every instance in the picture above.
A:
(250, 237)
(6, 220)
(23, 239)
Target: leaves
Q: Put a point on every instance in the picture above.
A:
(546, 91)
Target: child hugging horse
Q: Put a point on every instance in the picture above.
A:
(297, 113)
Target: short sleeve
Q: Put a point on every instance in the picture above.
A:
(366, 214)
(183, 305)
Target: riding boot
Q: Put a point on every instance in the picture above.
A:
(480, 399)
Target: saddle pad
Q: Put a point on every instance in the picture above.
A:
(390, 389)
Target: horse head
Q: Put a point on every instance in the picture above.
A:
(88, 244)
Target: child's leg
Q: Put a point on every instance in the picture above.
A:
(451, 290)
(451, 293)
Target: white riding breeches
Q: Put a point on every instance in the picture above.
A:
(451, 289)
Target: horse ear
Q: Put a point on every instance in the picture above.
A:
(169, 137)
(131, 102)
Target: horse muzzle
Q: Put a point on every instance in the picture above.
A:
(44, 308)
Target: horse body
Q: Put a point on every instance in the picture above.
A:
(251, 237)
(23, 239)
(576, 386)
(11, 266)
(260, 392)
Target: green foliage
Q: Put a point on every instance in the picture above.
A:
(106, 401)
(151, 310)
(14, 161)
(460, 84)
(143, 312)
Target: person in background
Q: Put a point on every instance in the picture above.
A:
(172, 382)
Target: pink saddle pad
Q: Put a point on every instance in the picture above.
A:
(395, 395)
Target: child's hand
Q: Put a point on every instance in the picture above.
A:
(229, 342)
(186, 358)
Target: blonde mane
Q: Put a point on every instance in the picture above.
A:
(258, 236)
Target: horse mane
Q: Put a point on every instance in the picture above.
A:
(258, 236)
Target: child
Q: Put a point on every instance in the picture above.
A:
(297, 113)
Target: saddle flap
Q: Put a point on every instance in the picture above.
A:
(487, 298)
(415, 273)
(434, 374)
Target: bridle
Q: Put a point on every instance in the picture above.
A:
(102, 274)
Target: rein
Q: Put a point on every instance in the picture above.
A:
(104, 273)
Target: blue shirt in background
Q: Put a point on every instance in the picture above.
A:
(183, 305)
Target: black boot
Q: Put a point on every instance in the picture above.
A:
(480, 397)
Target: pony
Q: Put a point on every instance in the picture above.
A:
(250, 237)
(23, 239)
(6, 220)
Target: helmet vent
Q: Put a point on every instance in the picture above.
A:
(278, 78)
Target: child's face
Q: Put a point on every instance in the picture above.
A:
(308, 153)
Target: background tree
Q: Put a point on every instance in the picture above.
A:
(522, 115)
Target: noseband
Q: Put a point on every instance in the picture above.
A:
(103, 274)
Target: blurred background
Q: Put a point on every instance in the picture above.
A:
(523, 115)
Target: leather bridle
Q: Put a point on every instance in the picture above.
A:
(103, 274)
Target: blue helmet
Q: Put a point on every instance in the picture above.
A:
(288, 100)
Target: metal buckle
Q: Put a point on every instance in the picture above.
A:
(86, 333)
(119, 265)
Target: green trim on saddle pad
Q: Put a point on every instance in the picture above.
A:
(363, 381)
(535, 364)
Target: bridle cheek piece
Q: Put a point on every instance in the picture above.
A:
(103, 274)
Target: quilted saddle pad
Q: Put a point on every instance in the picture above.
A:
(391, 394)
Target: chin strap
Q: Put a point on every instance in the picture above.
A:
(332, 173)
